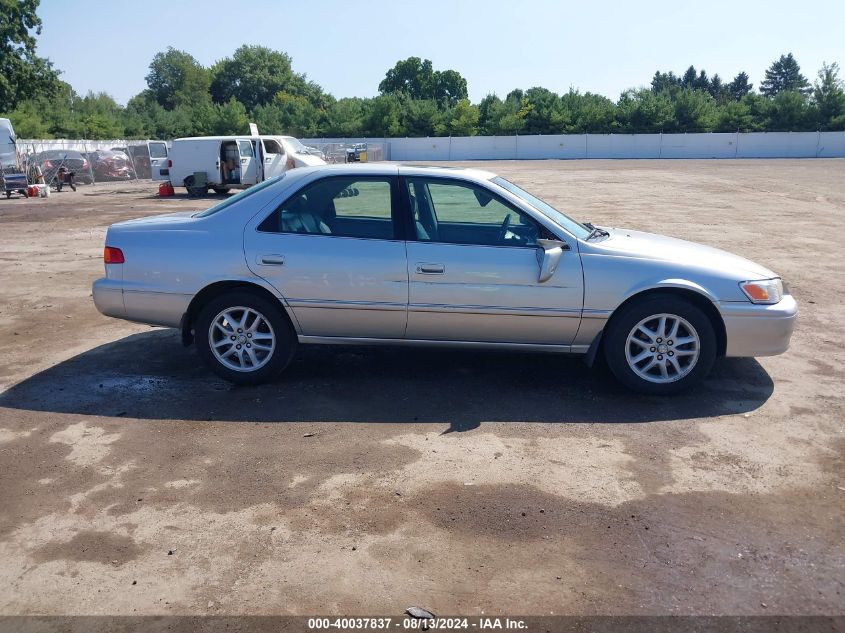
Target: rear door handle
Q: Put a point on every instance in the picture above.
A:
(271, 260)
(431, 269)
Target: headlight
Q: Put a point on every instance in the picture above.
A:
(767, 291)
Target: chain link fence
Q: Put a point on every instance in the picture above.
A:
(90, 162)
(348, 151)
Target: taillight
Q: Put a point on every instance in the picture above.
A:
(290, 164)
(169, 163)
(112, 255)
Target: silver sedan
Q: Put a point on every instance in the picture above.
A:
(402, 255)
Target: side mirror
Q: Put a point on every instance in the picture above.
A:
(548, 256)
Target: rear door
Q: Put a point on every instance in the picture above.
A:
(333, 251)
(249, 162)
(159, 169)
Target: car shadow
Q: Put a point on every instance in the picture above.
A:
(151, 376)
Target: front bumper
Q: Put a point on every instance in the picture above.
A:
(758, 330)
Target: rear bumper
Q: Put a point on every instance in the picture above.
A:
(758, 330)
(114, 299)
(108, 297)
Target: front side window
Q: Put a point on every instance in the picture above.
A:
(462, 213)
(342, 207)
(246, 149)
(271, 147)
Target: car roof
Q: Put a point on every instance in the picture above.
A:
(393, 169)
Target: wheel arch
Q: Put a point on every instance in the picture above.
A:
(691, 293)
(212, 290)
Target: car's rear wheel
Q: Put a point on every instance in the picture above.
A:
(243, 337)
(660, 345)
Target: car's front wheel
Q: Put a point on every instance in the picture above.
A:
(660, 345)
(243, 337)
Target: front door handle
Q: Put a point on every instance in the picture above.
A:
(431, 269)
(271, 260)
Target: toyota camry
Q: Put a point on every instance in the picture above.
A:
(436, 256)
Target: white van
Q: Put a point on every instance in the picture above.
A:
(233, 162)
(8, 149)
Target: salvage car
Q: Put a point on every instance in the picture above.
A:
(406, 255)
(51, 160)
(111, 165)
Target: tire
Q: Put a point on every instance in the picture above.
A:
(275, 331)
(686, 363)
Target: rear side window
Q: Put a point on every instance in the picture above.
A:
(339, 207)
(158, 150)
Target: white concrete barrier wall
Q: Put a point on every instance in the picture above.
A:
(717, 145)
(831, 145)
(623, 145)
(575, 146)
(778, 145)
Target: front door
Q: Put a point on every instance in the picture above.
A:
(274, 158)
(249, 163)
(331, 250)
(473, 270)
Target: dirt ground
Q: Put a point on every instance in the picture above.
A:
(132, 481)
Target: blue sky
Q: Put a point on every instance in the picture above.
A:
(347, 46)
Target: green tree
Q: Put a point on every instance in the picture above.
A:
(230, 118)
(642, 111)
(383, 117)
(176, 78)
(740, 86)
(345, 117)
(784, 75)
(422, 117)
(463, 119)
(417, 79)
(590, 113)
(734, 116)
(289, 114)
(829, 98)
(98, 116)
(413, 77)
(694, 111)
(253, 76)
(450, 87)
(23, 75)
(789, 112)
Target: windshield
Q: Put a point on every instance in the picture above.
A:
(576, 228)
(237, 197)
(298, 148)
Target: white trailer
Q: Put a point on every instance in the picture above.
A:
(222, 163)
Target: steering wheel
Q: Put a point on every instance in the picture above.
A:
(504, 230)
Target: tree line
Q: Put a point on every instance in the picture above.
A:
(256, 83)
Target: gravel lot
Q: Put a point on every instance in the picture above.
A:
(132, 481)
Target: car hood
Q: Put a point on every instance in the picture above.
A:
(308, 160)
(640, 245)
